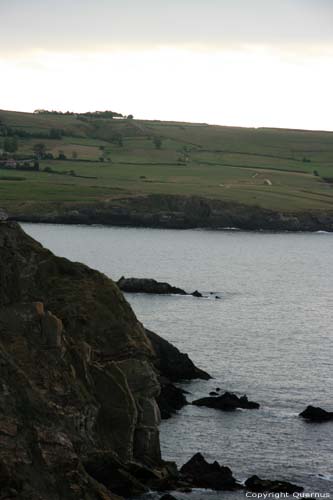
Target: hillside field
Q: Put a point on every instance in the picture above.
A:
(278, 169)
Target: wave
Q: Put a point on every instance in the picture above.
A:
(327, 476)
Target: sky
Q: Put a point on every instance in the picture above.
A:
(229, 62)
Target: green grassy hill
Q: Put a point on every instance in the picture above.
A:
(289, 170)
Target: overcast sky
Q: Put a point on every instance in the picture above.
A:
(233, 62)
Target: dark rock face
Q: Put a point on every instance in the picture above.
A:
(316, 414)
(178, 212)
(201, 474)
(227, 402)
(173, 366)
(171, 398)
(78, 384)
(256, 484)
(145, 285)
(172, 363)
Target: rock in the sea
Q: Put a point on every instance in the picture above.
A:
(202, 474)
(145, 285)
(316, 414)
(226, 402)
(78, 381)
(168, 497)
(151, 286)
(258, 485)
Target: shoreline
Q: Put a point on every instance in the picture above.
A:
(214, 229)
(176, 212)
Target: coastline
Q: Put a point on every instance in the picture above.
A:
(176, 212)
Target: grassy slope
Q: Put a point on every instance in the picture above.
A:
(228, 163)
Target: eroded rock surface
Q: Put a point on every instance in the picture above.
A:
(78, 385)
(173, 366)
(172, 363)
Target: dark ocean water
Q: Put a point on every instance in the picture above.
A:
(270, 336)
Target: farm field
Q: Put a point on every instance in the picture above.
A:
(104, 159)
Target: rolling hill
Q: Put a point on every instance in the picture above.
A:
(93, 160)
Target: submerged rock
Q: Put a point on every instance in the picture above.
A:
(202, 474)
(256, 484)
(316, 414)
(227, 402)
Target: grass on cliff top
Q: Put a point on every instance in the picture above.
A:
(272, 168)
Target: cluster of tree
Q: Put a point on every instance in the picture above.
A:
(41, 153)
(88, 114)
(53, 112)
(101, 114)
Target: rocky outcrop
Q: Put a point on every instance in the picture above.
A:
(151, 286)
(258, 485)
(316, 414)
(227, 402)
(201, 474)
(176, 212)
(173, 364)
(171, 398)
(78, 384)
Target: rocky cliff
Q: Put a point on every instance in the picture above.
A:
(177, 212)
(78, 416)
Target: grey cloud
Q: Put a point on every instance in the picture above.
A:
(83, 24)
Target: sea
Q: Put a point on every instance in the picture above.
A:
(263, 328)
